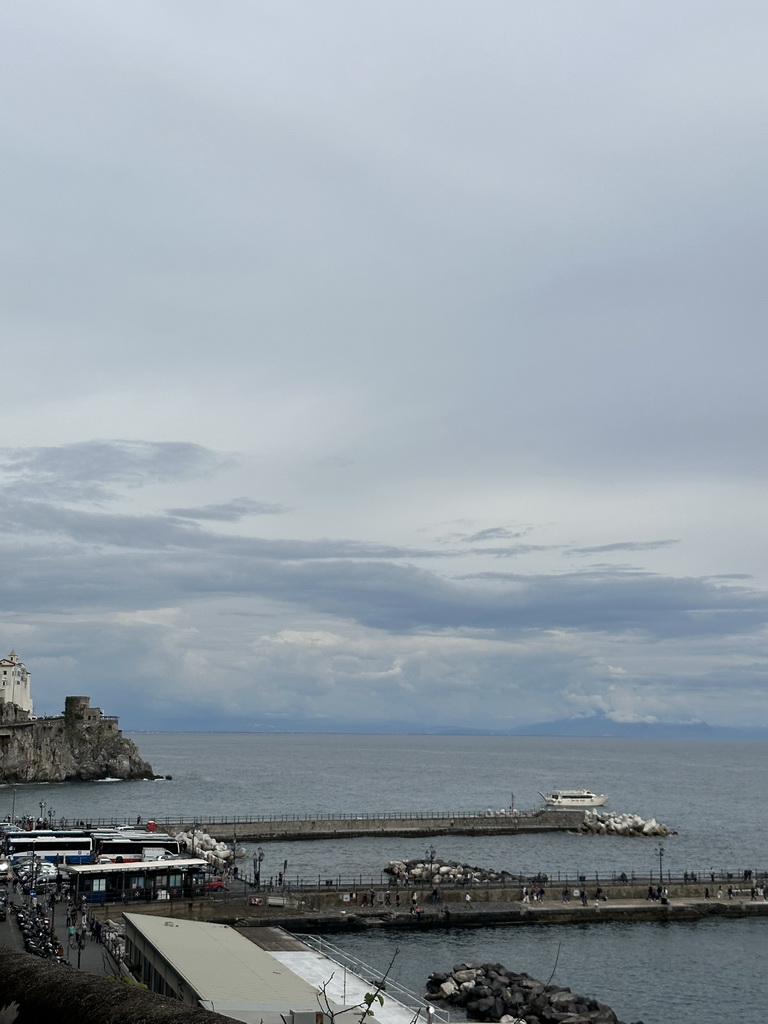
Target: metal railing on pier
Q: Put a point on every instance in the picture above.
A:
(255, 819)
(370, 976)
(384, 885)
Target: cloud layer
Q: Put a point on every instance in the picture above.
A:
(401, 361)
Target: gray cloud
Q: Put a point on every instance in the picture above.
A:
(642, 545)
(83, 470)
(414, 264)
(230, 511)
(494, 533)
(514, 550)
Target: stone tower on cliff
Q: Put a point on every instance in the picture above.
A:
(82, 744)
(15, 683)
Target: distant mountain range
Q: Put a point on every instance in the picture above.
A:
(601, 725)
(590, 726)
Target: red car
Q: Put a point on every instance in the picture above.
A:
(214, 885)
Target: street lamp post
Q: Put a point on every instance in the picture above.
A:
(258, 857)
(430, 852)
(660, 851)
(13, 807)
(42, 811)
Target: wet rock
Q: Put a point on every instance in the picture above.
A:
(491, 992)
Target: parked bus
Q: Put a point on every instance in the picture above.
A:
(74, 846)
(122, 847)
(139, 880)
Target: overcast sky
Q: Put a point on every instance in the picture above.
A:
(385, 360)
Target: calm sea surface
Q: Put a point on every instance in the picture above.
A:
(712, 793)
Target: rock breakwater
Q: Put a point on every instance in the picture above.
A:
(491, 992)
(200, 844)
(607, 824)
(442, 872)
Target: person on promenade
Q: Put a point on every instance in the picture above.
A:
(719, 894)
(730, 892)
(706, 892)
(468, 898)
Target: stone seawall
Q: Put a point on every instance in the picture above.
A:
(319, 910)
(345, 828)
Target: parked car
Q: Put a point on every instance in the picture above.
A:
(214, 885)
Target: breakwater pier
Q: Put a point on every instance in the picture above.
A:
(321, 912)
(265, 828)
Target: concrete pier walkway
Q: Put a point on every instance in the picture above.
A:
(321, 913)
(264, 829)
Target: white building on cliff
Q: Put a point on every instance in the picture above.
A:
(15, 683)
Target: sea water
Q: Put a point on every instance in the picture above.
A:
(712, 793)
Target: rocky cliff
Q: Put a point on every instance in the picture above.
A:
(65, 748)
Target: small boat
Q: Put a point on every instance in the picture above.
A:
(573, 798)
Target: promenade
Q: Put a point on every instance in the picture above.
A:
(320, 912)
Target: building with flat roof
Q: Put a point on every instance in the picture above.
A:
(213, 966)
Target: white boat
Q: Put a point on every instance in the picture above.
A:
(573, 798)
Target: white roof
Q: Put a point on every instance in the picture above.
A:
(133, 867)
(224, 968)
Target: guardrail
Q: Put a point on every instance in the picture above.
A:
(371, 976)
(252, 819)
(552, 882)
